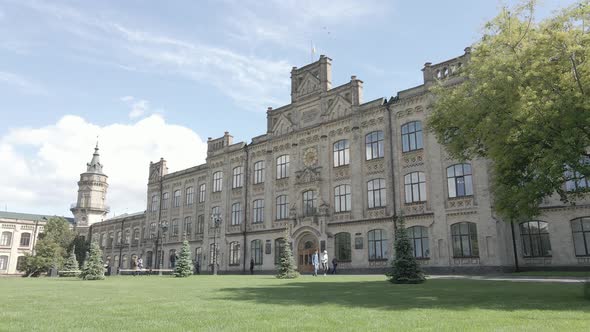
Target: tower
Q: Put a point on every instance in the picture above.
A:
(90, 207)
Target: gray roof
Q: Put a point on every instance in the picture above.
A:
(126, 215)
(30, 216)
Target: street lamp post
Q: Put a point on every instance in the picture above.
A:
(216, 218)
(162, 234)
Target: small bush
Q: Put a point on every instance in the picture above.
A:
(69, 273)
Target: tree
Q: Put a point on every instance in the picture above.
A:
(405, 269)
(286, 266)
(81, 246)
(71, 263)
(523, 104)
(184, 264)
(51, 248)
(93, 267)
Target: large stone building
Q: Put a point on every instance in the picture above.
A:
(335, 170)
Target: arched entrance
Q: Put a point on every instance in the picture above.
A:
(307, 245)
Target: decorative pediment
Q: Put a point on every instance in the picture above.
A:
(338, 108)
(308, 175)
(308, 84)
(282, 126)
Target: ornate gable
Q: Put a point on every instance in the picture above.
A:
(307, 84)
(282, 125)
(337, 108)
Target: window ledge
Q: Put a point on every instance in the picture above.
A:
(459, 257)
(378, 260)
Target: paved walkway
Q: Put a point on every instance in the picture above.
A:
(513, 278)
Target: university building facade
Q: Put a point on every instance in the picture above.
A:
(334, 170)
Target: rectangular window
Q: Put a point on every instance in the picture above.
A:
(237, 177)
(259, 172)
(234, 253)
(412, 136)
(217, 181)
(188, 225)
(154, 204)
(6, 239)
(282, 167)
(3, 262)
(202, 188)
(309, 203)
(236, 214)
(174, 227)
(258, 211)
(200, 224)
(176, 198)
(256, 251)
(376, 193)
(342, 198)
(341, 153)
(165, 199)
(282, 207)
(25, 240)
(374, 145)
(189, 196)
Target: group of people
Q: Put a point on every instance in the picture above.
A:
(315, 261)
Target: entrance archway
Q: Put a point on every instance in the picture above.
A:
(307, 245)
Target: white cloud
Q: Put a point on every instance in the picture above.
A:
(21, 83)
(40, 166)
(138, 107)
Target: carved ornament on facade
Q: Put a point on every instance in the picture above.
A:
(413, 159)
(375, 167)
(376, 213)
(308, 175)
(342, 172)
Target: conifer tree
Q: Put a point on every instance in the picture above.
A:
(184, 265)
(71, 263)
(286, 266)
(405, 269)
(93, 267)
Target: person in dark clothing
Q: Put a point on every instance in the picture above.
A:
(251, 265)
(334, 264)
(198, 267)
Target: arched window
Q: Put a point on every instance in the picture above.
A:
(217, 181)
(576, 181)
(3, 262)
(258, 211)
(341, 153)
(237, 177)
(256, 251)
(25, 240)
(415, 187)
(464, 236)
(374, 145)
(459, 180)
(376, 193)
(283, 166)
(342, 247)
(174, 227)
(124, 263)
(149, 259)
(188, 226)
(198, 255)
(282, 206)
(259, 172)
(127, 238)
(535, 239)
(200, 224)
(176, 198)
(119, 237)
(116, 262)
(234, 253)
(165, 199)
(279, 249)
(236, 214)
(342, 198)
(202, 190)
(190, 196)
(111, 239)
(412, 136)
(154, 204)
(377, 244)
(418, 236)
(309, 202)
(581, 232)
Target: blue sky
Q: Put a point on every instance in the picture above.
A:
(155, 79)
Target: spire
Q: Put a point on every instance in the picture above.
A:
(94, 166)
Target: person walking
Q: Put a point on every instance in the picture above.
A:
(325, 265)
(251, 265)
(198, 266)
(334, 264)
(139, 265)
(315, 261)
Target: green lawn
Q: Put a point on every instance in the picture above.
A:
(257, 303)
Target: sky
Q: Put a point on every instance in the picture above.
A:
(155, 79)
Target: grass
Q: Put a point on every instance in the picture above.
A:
(261, 303)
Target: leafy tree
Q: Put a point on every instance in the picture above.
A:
(93, 267)
(523, 104)
(405, 269)
(81, 246)
(51, 248)
(184, 264)
(286, 266)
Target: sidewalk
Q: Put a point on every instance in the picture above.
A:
(513, 278)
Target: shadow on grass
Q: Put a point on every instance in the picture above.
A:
(443, 294)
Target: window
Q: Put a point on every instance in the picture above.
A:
(200, 224)
(575, 180)
(374, 145)
(215, 211)
(258, 211)
(136, 235)
(259, 172)
(341, 153)
(535, 239)
(202, 193)
(342, 248)
(464, 236)
(236, 214)
(310, 202)
(3, 262)
(282, 207)
(176, 199)
(174, 227)
(190, 193)
(119, 237)
(103, 240)
(342, 200)
(459, 180)
(198, 254)
(188, 225)
(234, 253)
(256, 251)
(149, 257)
(116, 261)
(280, 244)
(127, 237)
(20, 261)
(153, 229)
(418, 236)
(154, 204)
(237, 177)
(377, 244)
(217, 181)
(111, 239)
(165, 198)
(282, 166)
(25, 239)
(415, 187)
(412, 136)
(376, 193)
(581, 232)
(124, 262)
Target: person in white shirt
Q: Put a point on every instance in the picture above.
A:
(325, 262)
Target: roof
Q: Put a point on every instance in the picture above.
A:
(126, 215)
(30, 216)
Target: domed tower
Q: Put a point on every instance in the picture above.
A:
(92, 189)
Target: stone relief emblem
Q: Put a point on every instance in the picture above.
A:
(308, 175)
(310, 157)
